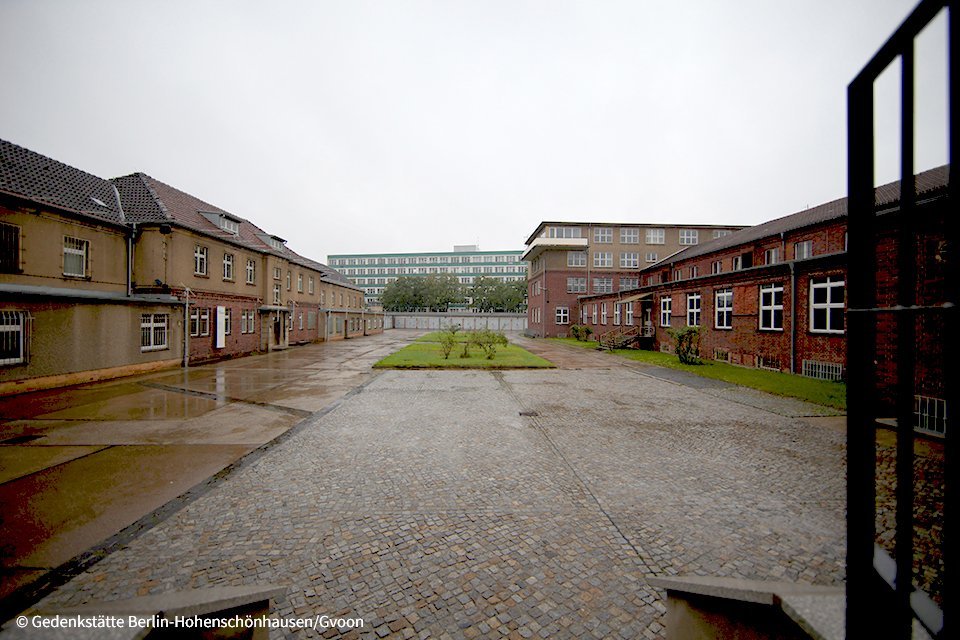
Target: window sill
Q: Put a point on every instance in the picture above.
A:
(824, 332)
(201, 275)
(770, 330)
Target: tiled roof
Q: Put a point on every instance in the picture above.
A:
(886, 195)
(40, 179)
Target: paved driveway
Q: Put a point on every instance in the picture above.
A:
(427, 505)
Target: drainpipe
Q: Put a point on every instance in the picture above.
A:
(186, 328)
(130, 236)
(793, 319)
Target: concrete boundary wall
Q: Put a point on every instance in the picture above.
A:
(467, 321)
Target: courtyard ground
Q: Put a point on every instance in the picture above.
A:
(453, 504)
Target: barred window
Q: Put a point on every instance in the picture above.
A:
(13, 337)
(75, 253)
(9, 248)
(153, 331)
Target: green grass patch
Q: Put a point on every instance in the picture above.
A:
(822, 392)
(427, 355)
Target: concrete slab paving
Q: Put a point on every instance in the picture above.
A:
(16, 462)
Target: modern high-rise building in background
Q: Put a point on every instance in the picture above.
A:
(372, 272)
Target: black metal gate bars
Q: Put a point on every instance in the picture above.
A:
(892, 311)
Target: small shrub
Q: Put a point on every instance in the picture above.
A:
(488, 341)
(688, 344)
(448, 339)
(581, 332)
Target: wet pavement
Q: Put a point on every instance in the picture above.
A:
(80, 464)
(518, 504)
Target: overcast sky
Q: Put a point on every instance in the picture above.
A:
(402, 125)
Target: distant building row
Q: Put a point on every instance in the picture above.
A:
(373, 272)
(102, 278)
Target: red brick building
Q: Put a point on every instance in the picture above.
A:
(774, 295)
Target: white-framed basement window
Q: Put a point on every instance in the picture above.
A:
(153, 331)
(14, 339)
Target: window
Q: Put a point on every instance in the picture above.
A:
(9, 248)
(576, 258)
(803, 250)
(826, 304)
(289, 280)
(299, 283)
(583, 315)
(603, 285)
(724, 309)
(603, 235)
(666, 310)
(630, 260)
(594, 314)
(689, 236)
(300, 321)
(603, 313)
(310, 285)
(277, 273)
(716, 267)
(153, 331)
(75, 253)
(13, 337)
(629, 313)
(576, 285)
(655, 236)
(563, 232)
(229, 225)
(228, 266)
(629, 283)
(771, 307)
(199, 322)
(771, 256)
(652, 256)
(200, 260)
(563, 315)
(276, 294)
(719, 233)
(277, 244)
(603, 259)
(677, 274)
(227, 320)
(616, 314)
(694, 271)
(251, 323)
(693, 309)
(243, 321)
(737, 263)
(629, 236)
(251, 271)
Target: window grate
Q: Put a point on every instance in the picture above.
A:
(13, 337)
(823, 370)
(75, 257)
(930, 415)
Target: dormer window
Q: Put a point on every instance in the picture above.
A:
(226, 222)
(276, 243)
(231, 226)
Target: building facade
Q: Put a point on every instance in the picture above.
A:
(372, 272)
(773, 296)
(104, 278)
(573, 259)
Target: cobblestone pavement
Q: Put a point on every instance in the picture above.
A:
(428, 506)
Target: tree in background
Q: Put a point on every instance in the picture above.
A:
(490, 294)
(412, 293)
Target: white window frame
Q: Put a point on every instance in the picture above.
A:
(829, 283)
(576, 285)
(576, 258)
(666, 310)
(630, 260)
(602, 259)
(694, 309)
(199, 260)
(689, 237)
(562, 315)
(228, 266)
(803, 250)
(251, 271)
(603, 235)
(716, 267)
(771, 256)
(770, 307)
(603, 313)
(652, 256)
(628, 319)
(616, 314)
(607, 285)
(154, 331)
(74, 248)
(655, 236)
(627, 284)
(723, 309)
(594, 313)
(629, 235)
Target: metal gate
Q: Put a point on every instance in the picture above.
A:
(898, 327)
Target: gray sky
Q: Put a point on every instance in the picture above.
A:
(402, 125)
